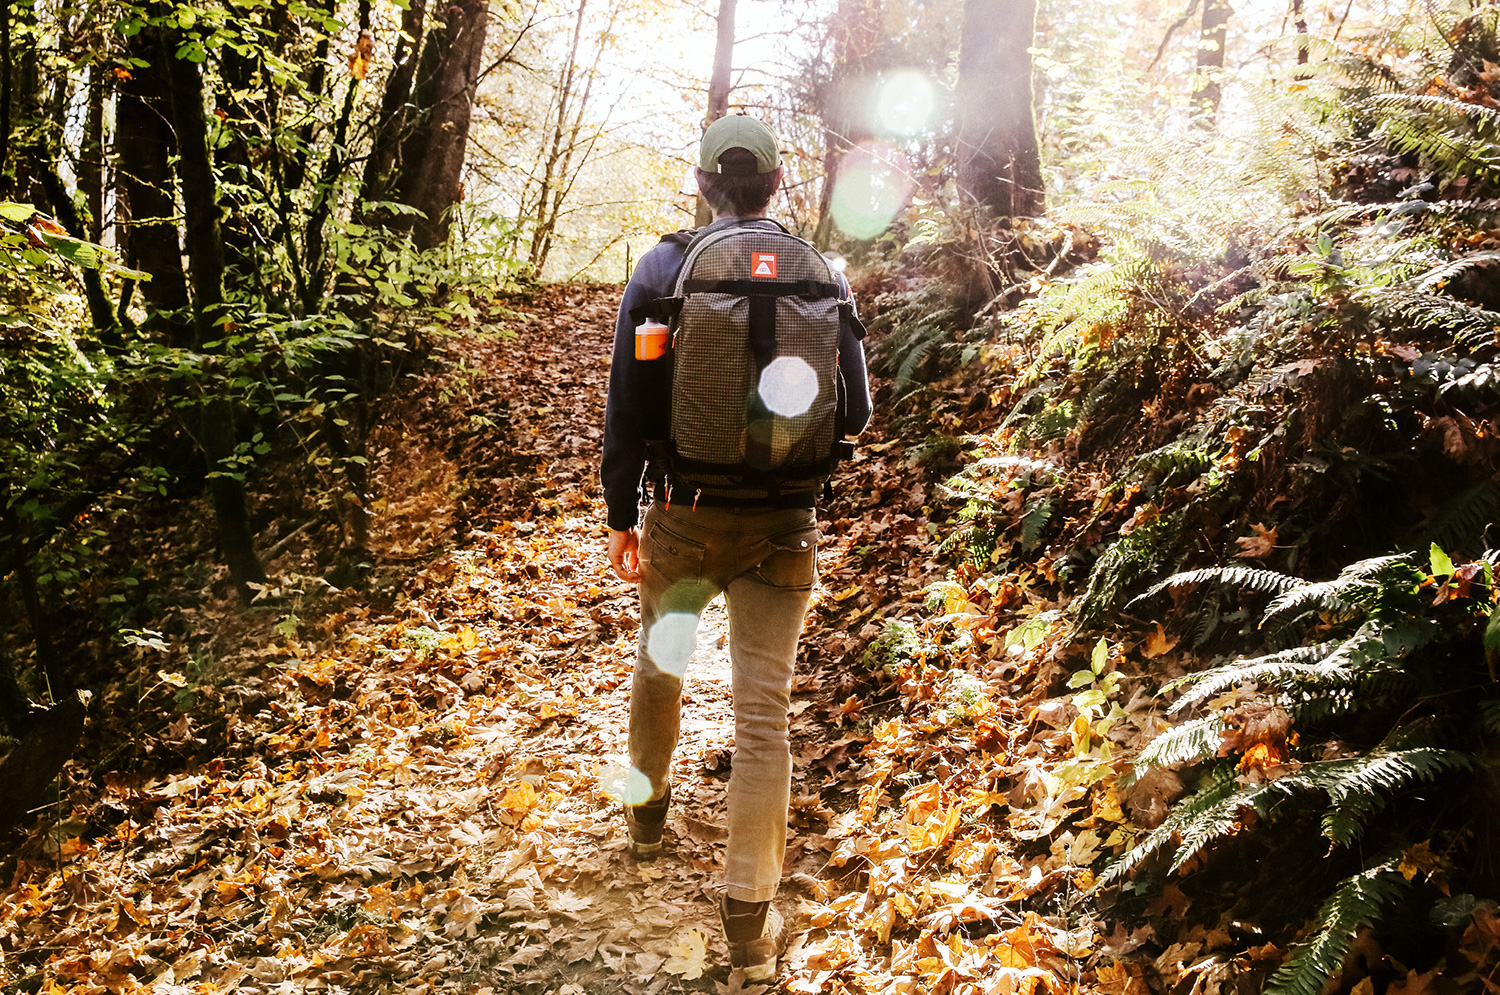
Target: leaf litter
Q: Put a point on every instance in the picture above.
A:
(416, 796)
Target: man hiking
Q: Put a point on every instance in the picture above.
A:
(734, 423)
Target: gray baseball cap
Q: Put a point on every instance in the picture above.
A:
(738, 131)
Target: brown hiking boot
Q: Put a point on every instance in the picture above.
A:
(753, 931)
(645, 823)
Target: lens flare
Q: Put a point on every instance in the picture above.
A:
(788, 386)
(869, 191)
(625, 784)
(672, 640)
(904, 103)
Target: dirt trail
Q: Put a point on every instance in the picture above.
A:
(416, 798)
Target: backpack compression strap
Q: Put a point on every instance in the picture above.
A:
(762, 295)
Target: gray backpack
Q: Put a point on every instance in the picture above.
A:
(757, 400)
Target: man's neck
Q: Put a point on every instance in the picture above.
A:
(741, 217)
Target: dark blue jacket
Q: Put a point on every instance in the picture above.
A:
(640, 394)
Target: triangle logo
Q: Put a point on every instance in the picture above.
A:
(763, 265)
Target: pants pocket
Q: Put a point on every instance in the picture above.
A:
(670, 554)
(792, 562)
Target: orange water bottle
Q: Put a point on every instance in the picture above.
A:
(650, 340)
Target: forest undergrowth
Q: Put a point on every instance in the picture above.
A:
(1154, 651)
(408, 786)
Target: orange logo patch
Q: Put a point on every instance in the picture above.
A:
(763, 265)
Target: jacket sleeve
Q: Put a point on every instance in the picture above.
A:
(638, 406)
(857, 404)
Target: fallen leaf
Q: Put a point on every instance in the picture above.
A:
(688, 954)
(1257, 546)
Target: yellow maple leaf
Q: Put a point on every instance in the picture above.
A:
(1420, 859)
(689, 951)
(1157, 643)
(520, 799)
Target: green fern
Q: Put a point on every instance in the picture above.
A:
(1344, 594)
(1184, 458)
(1444, 130)
(1359, 788)
(1471, 327)
(1221, 785)
(1460, 525)
(1255, 578)
(1180, 746)
(1319, 664)
(1357, 902)
(1327, 595)
(1128, 561)
(1436, 277)
(1034, 522)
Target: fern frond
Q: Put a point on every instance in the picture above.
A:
(1034, 522)
(1210, 614)
(1285, 668)
(1255, 578)
(1358, 788)
(1374, 565)
(1460, 525)
(1225, 818)
(1489, 718)
(1447, 271)
(1126, 563)
(1182, 455)
(1470, 326)
(1182, 745)
(1208, 798)
(1018, 464)
(1020, 408)
(1358, 901)
(1324, 595)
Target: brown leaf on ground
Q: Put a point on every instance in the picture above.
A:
(1260, 544)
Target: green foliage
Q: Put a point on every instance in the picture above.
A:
(897, 646)
(1358, 901)
(917, 331)
(1382, 657)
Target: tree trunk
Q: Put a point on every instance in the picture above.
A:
(856, 32)
(383, 165)
(718, 88)
(1206, 87)
(66, 212)
(7, 91)
(999, 163)
(91, 162)
(143, 146)
(541, 230)
(25, 103)
(432, 158)
(206, 268)
(1299, 17)
(38, 757)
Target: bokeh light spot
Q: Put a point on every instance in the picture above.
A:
(788, 386)
(904, 103)
(625, 784)
(869, 191)
(672, 640)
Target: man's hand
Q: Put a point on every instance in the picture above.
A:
(625, 554)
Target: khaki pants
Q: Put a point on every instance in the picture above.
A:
(765, 563)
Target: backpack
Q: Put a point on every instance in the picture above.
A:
(757, 399)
